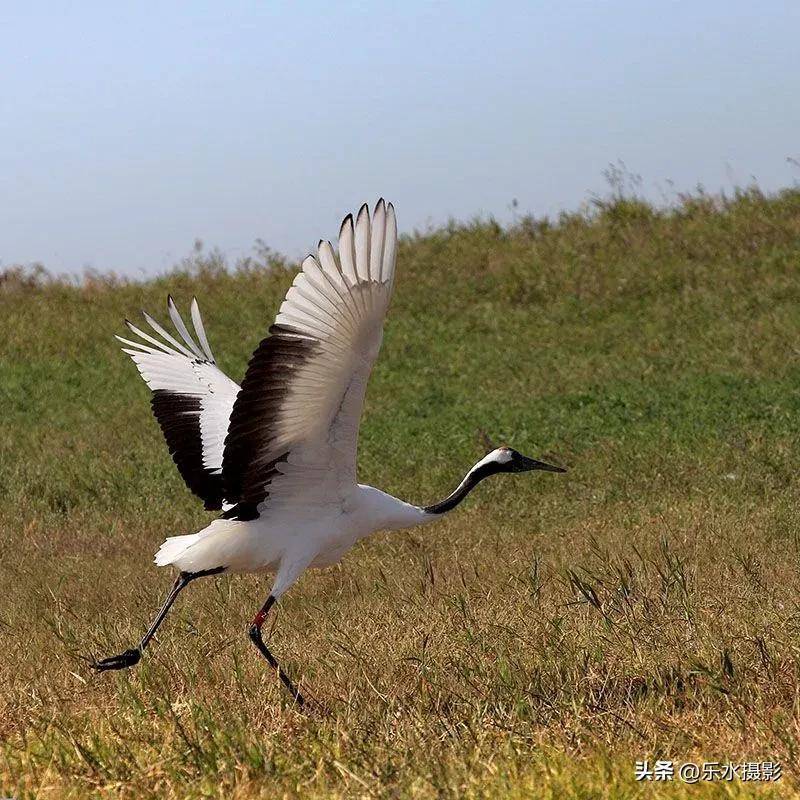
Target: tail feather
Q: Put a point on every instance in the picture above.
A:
(173, 548)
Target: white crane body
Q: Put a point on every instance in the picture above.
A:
(283, 540)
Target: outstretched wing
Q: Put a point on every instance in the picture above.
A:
(294, 428)
(192, 399)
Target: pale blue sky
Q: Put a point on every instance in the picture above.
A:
(129, 129)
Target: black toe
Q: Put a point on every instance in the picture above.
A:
(127, 659)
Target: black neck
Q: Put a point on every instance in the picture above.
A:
(472, 479)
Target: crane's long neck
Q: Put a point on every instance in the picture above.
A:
(390, 513)
(483, 469)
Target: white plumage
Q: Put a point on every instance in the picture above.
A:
(278, 454)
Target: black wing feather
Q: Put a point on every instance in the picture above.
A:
(179, 418)
(252, 427)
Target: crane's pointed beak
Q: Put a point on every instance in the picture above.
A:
(531, 464)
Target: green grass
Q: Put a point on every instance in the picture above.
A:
(535, 643)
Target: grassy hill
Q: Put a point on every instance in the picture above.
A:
(535, 643)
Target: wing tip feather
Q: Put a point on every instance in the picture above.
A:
(347, 221)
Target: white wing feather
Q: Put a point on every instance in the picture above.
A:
(192, 398)
(294, 429)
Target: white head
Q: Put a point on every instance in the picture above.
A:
(506, 459)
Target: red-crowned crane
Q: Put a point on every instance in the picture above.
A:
(278, 455)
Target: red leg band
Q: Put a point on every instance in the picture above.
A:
(259, 618)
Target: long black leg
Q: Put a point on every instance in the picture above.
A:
(132, 656)
(255, 638)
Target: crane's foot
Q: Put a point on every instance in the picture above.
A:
(124, 660)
